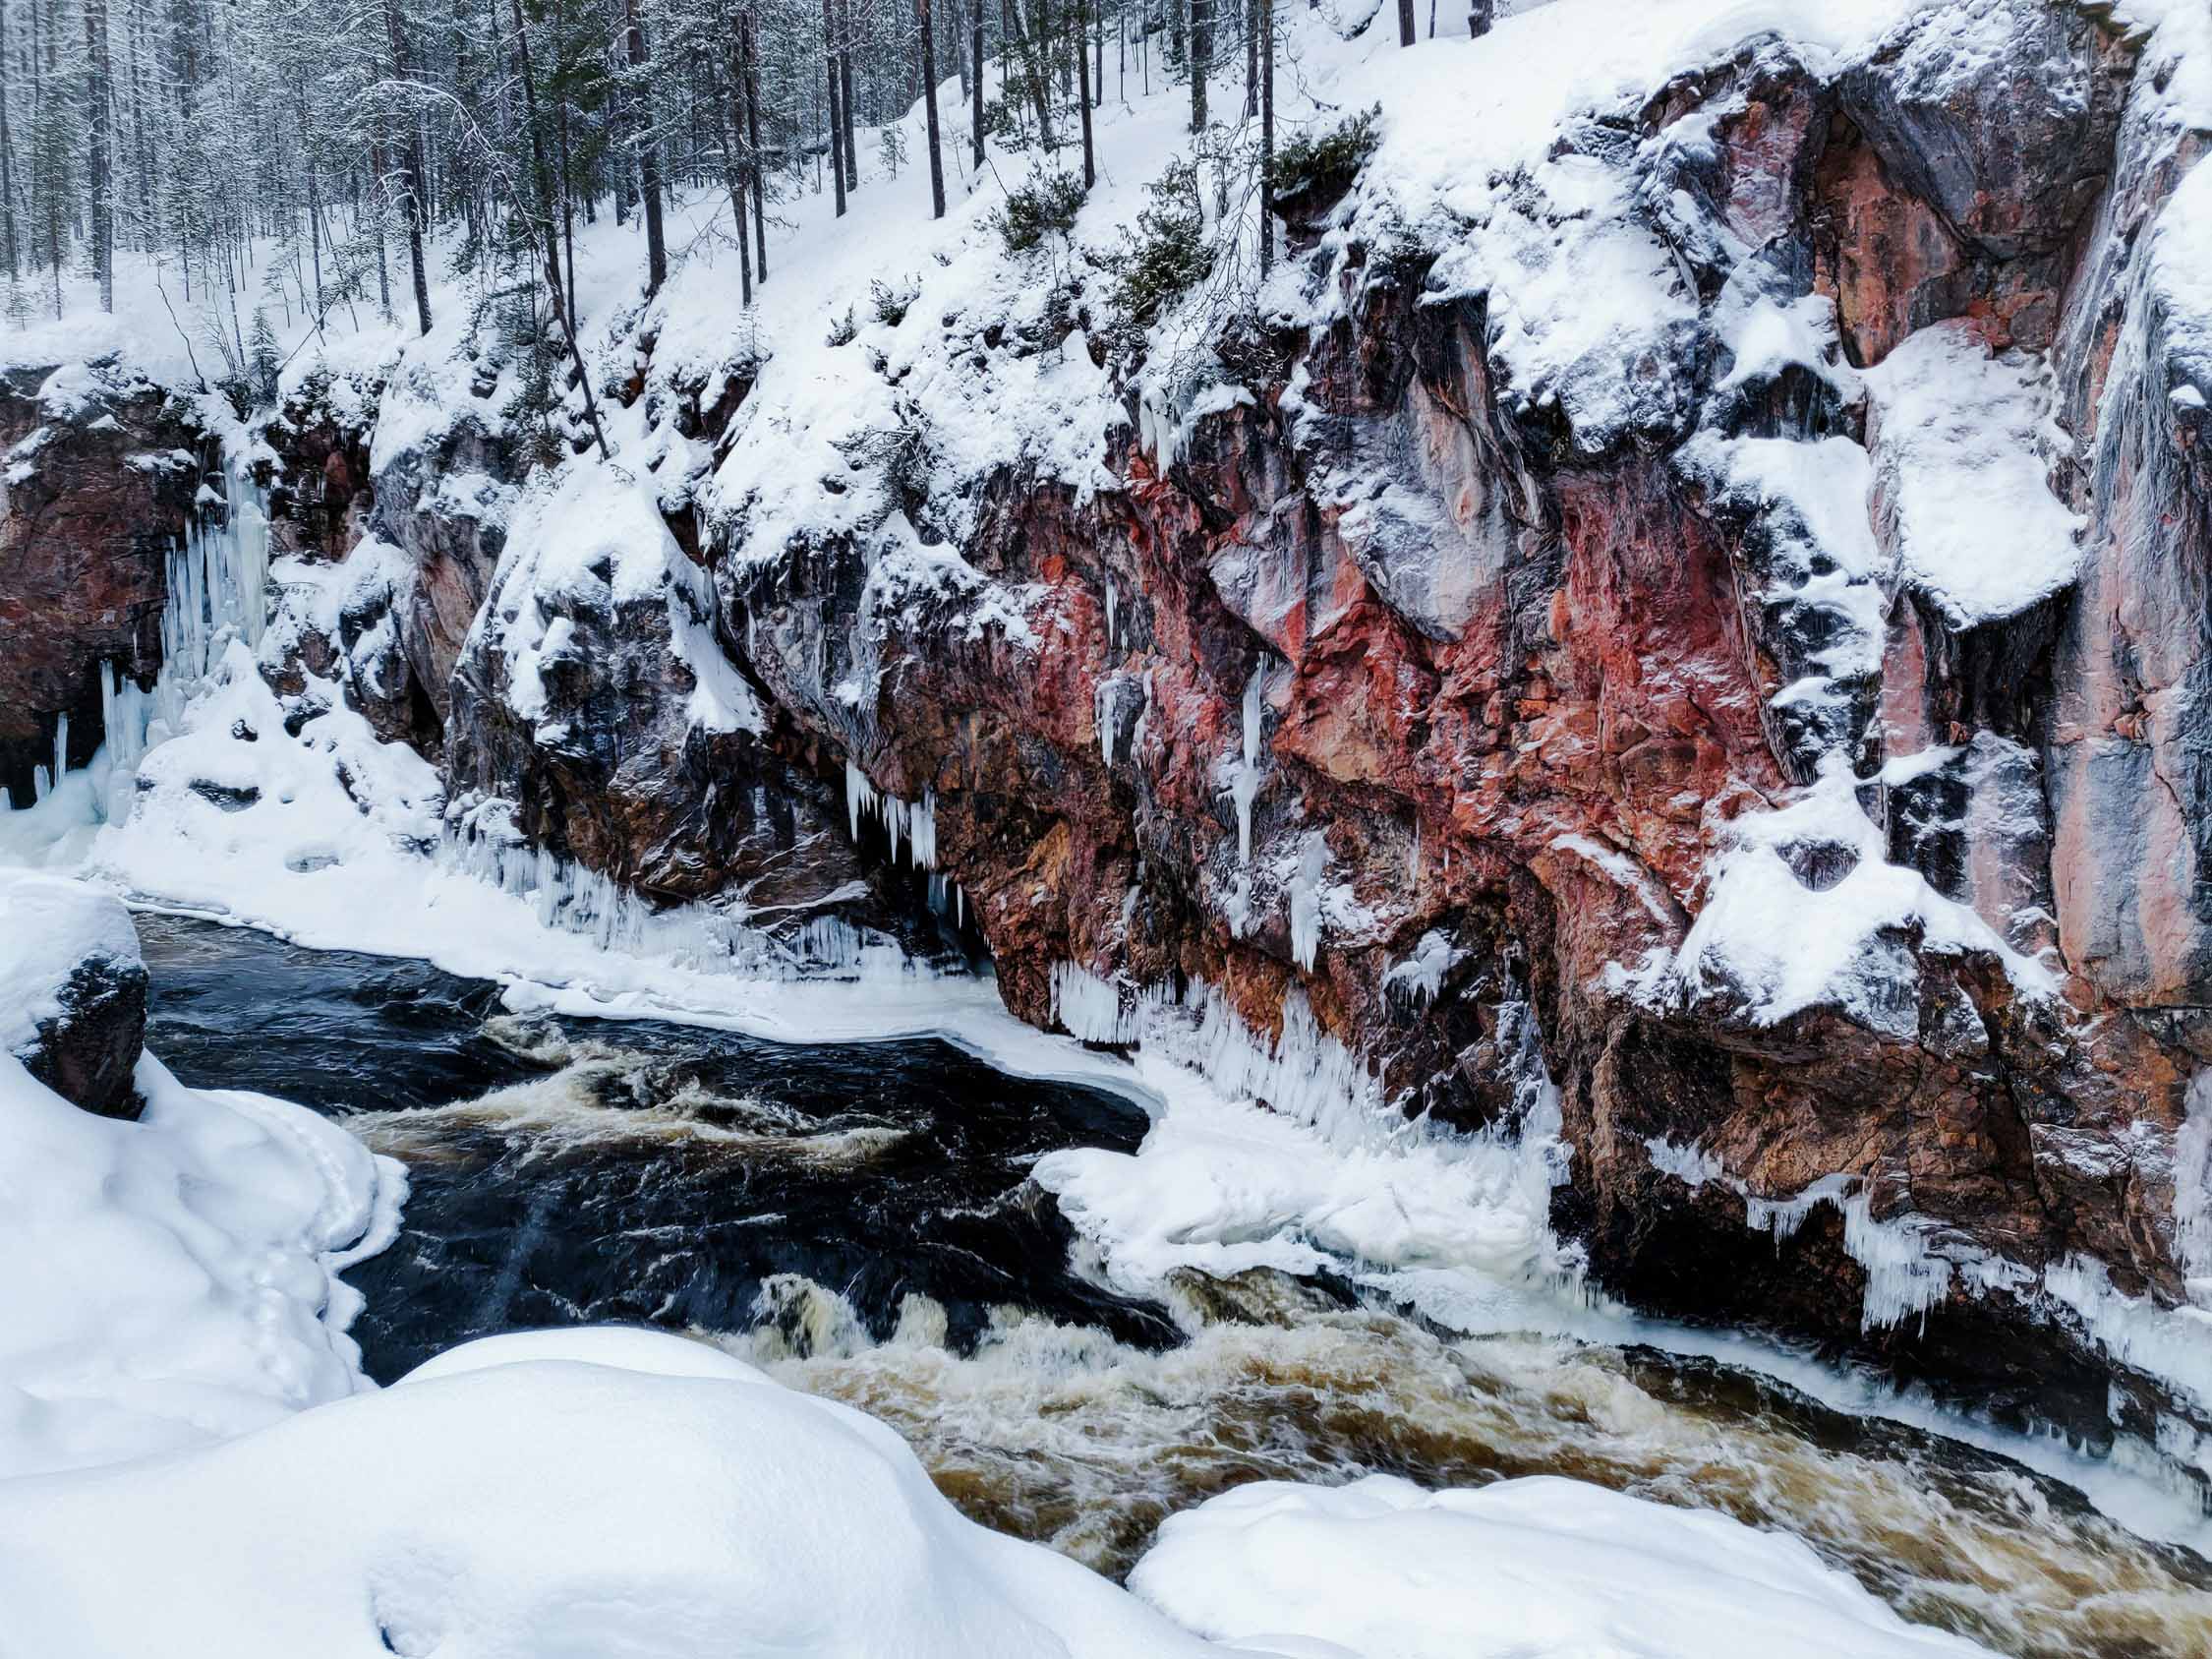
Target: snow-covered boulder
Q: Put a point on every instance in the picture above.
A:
(1540, 1565)
(71, 989)
(593, 700)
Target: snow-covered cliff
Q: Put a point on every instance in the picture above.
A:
(1668, 634)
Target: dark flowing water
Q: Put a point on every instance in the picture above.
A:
(859, 1219)
(570, 1173)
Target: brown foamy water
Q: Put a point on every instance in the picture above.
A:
(1064, 1436)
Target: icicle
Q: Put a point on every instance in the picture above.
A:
(124, 714)
(911, 822)
(1096, 1009)
(860, 796)
(41, 783)
(925, 837)
(1904, 1276)
(218, 591)
(1306, 900)
(1105, 716)
(960, 906)
(1304, 1074)
(61, 744)
(1244, 788)
(1413, 859)
(1111, 639)
(702, 937)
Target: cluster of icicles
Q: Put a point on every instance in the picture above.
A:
(572, 899)
(911, 824)
(218, 592)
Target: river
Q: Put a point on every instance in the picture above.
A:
(859, 1219)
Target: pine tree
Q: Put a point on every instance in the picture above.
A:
(264, 361)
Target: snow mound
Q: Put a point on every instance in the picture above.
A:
(1524, 1567)
(172, 1280)
(1959, 440)
(53, 924)
(624, 1347)
(587, 543)
(242, 806)
(587, 1495)
(1771, 942)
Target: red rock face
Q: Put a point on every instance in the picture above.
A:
(92, 499)
(1532, 745)
(1507, 733)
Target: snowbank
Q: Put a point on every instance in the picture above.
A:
(600, 1495)
(1525, 1567)
(174, 1280)
(605, 1493)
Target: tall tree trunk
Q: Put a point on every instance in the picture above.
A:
(411, 162)
(830, 59)
(929, 106)
(1202, 58)
(375, 191)
(745, 43)
(976, 55)
(1082, 95)
(138, 122)
(8, 251)
(1251, 58)
(730, 133)
(568, 204)
(1405, 23)
(540, 174)
(845, 95)
(314, 234)
(1267, 136)
(960, 47)
(101, 94)
(648, 158)
(1032, 50)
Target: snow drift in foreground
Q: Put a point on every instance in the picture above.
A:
(610, 1493)
(1541, 1566)
(625, 1494)
(173, 1282)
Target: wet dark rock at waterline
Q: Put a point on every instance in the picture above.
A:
(574, 1172)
